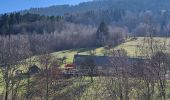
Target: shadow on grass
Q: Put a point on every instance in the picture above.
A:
(85, 49)
(80, 50)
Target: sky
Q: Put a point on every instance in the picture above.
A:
(17, 5)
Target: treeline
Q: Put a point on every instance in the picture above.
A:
(117, 13)
(16, 23)
(136, 23)
(80, 36)
(94, 17)
(64, 34)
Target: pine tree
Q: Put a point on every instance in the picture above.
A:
(102, 34)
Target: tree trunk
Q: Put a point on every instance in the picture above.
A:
(126, 89)
(121, 95)
(28, 86)
(47, 76)
(7, 83)
(91, 78)
(6, 91)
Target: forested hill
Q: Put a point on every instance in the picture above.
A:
(132, 5)
(136, 17)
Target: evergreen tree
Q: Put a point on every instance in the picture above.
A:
(102, 34)
(4, 24)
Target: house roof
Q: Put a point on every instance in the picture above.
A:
(100, 60)
(96, 60)
(69, 66)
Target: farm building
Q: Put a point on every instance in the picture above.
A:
(105, 65)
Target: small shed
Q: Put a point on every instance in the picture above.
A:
(34, 69)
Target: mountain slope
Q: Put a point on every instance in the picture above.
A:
(133, 5)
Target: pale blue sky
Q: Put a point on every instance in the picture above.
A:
(16, 5)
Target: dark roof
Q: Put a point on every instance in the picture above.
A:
(33, 69)
(99, 60)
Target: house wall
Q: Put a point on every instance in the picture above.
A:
(100, 70)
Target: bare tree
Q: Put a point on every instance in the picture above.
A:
(160, 66)
(121, 73)
(13, 50)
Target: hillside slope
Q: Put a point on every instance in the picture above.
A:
(133, 48)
